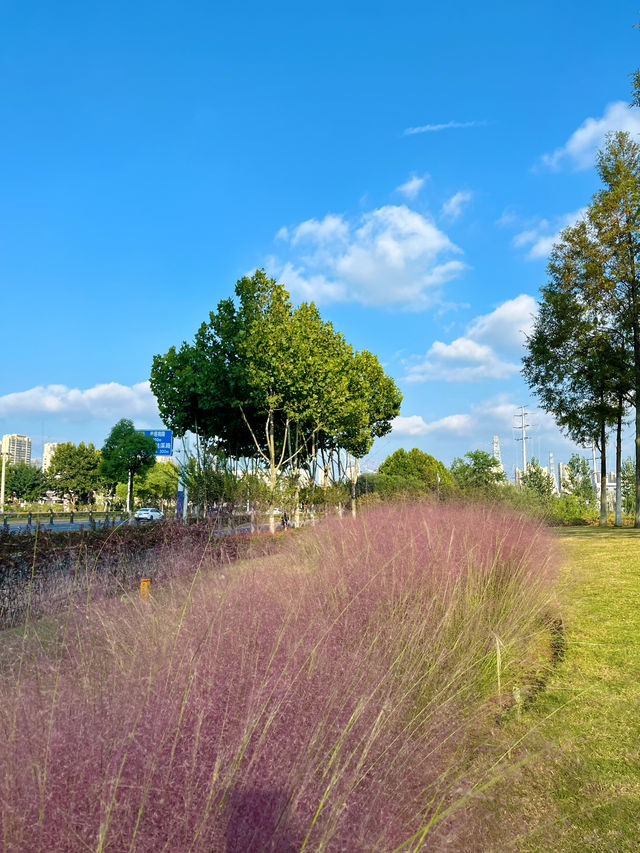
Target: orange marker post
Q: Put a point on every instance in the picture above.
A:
(145, 583)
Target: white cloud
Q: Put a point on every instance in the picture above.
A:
(109, 400)
(496, 415)
(579, 151)
(483, 352)
(540, 236)
(390, 256)
(453, 207)
(412, 187)
(416, 425)
(448, 125)
(507, 325)
(322, 231)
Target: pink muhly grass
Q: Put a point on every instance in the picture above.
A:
(328, 697)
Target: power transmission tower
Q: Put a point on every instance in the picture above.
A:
(523, 427)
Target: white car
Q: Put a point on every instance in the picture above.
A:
(148, 513)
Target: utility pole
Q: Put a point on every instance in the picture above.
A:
(523, 427)
(594, 475)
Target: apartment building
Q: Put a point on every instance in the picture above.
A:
(16, 448)
(47, 453)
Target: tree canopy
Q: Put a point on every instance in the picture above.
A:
(75, 470)
(583, 358)
(157, 484)
(126, 452)
(478, 470)
(579, 481)
(24, 482)
(268, 381)
(537, 481)
(417, 465)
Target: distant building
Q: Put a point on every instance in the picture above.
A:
(164, 459)
(47, 453)
(16, 448)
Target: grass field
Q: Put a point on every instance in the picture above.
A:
(579, 788)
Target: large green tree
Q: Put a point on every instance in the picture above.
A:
(417, 465)
(125, 453)
(614, 215)
(74, 470)
(24, 482)
(478, 471)
(275, 383)
(573, 362)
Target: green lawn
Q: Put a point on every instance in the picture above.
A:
(579, 786)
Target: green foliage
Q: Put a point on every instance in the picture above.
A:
(537, 481)
(628, 477)
(575, 366)
(387, 486)
(263, 380)
(583, 357)
(579, 480)
(337, 493)
(24, 482)
(585, 798)
(126, 451)
(157, 484)
(480, 471)
(75, 470)
(635, 88)
(417, 465)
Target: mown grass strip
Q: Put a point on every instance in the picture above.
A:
(579, 788)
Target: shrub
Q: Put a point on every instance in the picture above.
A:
(38, 572)
(327, 697)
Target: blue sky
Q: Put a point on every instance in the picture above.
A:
(406, 165)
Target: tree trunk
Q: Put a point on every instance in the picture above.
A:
(272, 473)
(618, 521)
(636, 522)
(130, 491)
(603, 476)
(296, 509)
(272, 514)
(354, 477)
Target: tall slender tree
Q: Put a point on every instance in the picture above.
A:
(614, 216)
(573, 361)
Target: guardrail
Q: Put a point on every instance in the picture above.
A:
(49, 518)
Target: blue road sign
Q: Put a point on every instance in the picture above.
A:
(163, 438)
